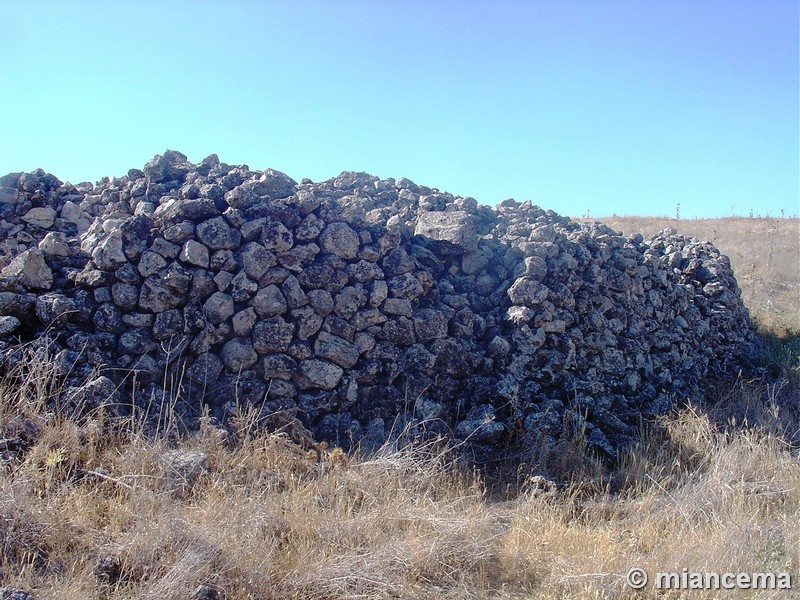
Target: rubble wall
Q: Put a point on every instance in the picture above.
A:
(360, 305)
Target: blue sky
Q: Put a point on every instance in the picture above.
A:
(625, 107)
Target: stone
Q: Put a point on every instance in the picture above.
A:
(269, 302)
(480, 426)
(164, 248)
(319, 374)
(242, 287)
(293, 292)
(16, 305)
(136, 341)
(8, 592)
(238, 355)
(276, 237)
(278, 366)
(108, 254)
(451, 232)
(528, 292)
(195, 254)
(126, 296)
(168, 324)
(171, 166)
(218, 308)
(8, 195)
(157, 296)
(256, 260)
(216, 234)
(308, 322)
(243, 322)
(336, 350)
(182, 467)
(272, 335)
(55, 244)
(340, 240)
(430, 324)
(205, 370)
(8, 325)
(30, 270)
(44, 217)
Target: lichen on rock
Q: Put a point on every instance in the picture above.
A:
(356, 301)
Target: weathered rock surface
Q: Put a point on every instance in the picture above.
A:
(355, 302)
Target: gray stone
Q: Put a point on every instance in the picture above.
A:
(336, 350)
(125, 295)
(136, 341)
(16, 305)
(8, 195)
(256, 260)
(308, 322)
(242, 287)
(223, 280)
(108, 255)
(278, 366)
(195, 253)
(272, 335)
(55, 244)
(340, 240)
(179, 232)
(164, 248)
(137, 319)
(243, 322)
(30, 270)
(205, 369)
(299, 257)
(218, 235)
(168, 324)
(238, 355)
(269, 302)
(218, 308)
(348, 301)
(319, 374)
(430, 324)
(309, 228)
(451, 232)
(8, 325)
(528, 292)
(293, 292)
(43, 217)
(157, 296)
(182, 467)
(276, 237)
(71, 212)
(321, 301)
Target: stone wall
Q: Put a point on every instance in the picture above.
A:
(360, 305)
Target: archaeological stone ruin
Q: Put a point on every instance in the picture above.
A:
(357, 306)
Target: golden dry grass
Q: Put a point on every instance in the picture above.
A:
(264, 518)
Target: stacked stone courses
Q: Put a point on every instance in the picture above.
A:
(359, 306)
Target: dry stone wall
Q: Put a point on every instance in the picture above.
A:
(360, 305)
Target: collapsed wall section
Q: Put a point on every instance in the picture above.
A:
(359, 305)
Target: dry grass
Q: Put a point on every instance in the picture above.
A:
(93, 507)
(764, 253)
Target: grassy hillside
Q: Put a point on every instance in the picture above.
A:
(764, 253)
(95, 507)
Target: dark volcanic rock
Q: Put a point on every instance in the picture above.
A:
(357, 301)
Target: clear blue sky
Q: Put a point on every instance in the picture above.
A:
(615, 106)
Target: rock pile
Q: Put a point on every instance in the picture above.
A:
(359, 304)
